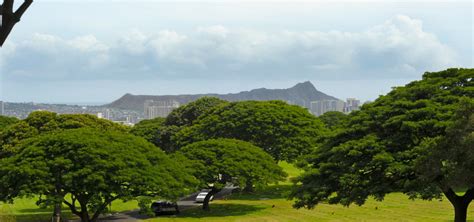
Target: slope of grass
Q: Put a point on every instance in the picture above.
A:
(396, 207)
(271, 205)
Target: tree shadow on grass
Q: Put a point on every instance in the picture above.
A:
(220, 210)
(36, 217)
(32, 215)
(36, 211)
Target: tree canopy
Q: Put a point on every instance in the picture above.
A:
(6, 121)
(93, 168)
(149, 130)
(42, 122)
(219, 161)
(284, 131)
(161, 131)
(381, 147)
(186, 115)
(334, 120)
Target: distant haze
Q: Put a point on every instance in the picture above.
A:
(95, 51)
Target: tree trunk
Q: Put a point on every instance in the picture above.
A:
(84, 212)
(460, 203)
(205, 204)
(85, 217)
(460, 211)
(57, 213)
(248, 187)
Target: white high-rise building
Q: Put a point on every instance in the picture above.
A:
(2, 108)
(318, 108)
(352, 104)
(108, 114)
(155, 109)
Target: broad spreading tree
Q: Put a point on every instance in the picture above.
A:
(86, 169)
(282, 130)
(43, 122)
(417, 139)
(220, 161)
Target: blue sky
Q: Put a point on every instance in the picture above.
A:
(95, 51)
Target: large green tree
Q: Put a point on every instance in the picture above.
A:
(92, 168)
(406, 141)
(446, 162)
(221, 161)
(284, 131)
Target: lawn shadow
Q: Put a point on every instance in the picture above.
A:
(219, 210)
(32, 215)
(27, 218)
(36, 211)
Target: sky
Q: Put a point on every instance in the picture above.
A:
(94, 51)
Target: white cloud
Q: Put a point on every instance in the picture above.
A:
(398, 48)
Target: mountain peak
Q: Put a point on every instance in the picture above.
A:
(305, 86)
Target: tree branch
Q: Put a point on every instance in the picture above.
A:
(450, 194)
(22, 9)
(10, 18)
(103, 206)
(7, 6)
(469, 195)
(72, 207)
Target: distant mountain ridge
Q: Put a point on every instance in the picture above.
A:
(301, 94)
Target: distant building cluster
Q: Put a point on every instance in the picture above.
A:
(155, 109)
(351, 104)
(119, 116)
(2, 108)
(318, 108)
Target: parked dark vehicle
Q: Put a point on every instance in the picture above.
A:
(164, 208)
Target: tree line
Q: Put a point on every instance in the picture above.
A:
(417, 139)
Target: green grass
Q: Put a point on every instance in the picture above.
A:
(291, 170)
(271, 205)
(27, 210)
(396, 207)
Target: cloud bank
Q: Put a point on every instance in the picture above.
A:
(397, 48)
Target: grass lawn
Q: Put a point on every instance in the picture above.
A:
(27, 210)
(271, 205)
(396, 207)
